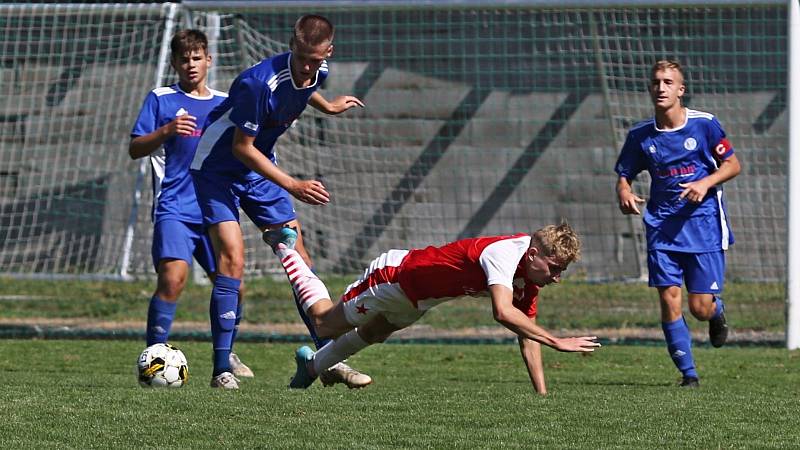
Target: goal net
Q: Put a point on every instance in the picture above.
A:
(71, 82)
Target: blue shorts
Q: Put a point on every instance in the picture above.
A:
(174, 239)
(704, 273)
(221, 196)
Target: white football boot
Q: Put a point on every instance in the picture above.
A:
(239, 369)
(342, 373)
(225, 380)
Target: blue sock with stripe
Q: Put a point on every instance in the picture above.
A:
(222, 312)
(679, 345)
(160, 315)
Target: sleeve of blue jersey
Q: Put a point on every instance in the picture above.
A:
(147, 121)
(716, 136)
(629, 163)
(250, 105)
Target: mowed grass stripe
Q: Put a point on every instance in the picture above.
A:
(571, 305)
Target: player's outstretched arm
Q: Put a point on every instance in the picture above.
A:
(337, 106)
(531, 352)
(308, 191)
(516, 321)
(142, 146)
(628, 201)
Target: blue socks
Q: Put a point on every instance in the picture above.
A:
(222, 311)
(720, 307)
(679, 345)
(160, 315)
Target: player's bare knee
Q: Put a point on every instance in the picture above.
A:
(700, 310)
(169, 293)
(231, 265)
(169, 288)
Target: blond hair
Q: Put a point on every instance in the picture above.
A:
(666, 64)
(559, 241)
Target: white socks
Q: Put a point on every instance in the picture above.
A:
(306, 285)
(338, 350)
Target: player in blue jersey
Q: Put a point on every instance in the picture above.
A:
(167, 131)
(235, 167)
(688, 157)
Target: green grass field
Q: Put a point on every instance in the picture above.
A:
(70, 394)
(83, 393)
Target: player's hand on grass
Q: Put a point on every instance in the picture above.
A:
(695, 191)
(342, 103)
(182, 125)
(577, 344)
(628, 203)
(312, 192)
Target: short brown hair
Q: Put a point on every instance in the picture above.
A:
(665, 64)
(186, 41)
(559, 241)
(312, 30)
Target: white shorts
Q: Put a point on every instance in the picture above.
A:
(378, 292)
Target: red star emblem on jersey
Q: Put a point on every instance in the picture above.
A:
(361, 309)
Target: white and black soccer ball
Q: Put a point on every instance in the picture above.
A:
(162, 365)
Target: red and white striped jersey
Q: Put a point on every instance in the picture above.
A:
(433, 275)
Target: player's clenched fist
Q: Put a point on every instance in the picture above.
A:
(182, 126)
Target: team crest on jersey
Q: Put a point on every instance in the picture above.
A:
(652, 149)
(690, 144)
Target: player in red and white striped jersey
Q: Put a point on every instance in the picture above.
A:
(401, 285)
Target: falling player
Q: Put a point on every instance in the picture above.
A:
(399, 286)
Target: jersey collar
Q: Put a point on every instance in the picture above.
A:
(196, 97)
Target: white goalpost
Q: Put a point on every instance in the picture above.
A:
(793, 203)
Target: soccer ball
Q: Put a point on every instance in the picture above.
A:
(162, 365)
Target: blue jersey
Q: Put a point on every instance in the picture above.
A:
(173, 190)
(263, 101)
(681, 155)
